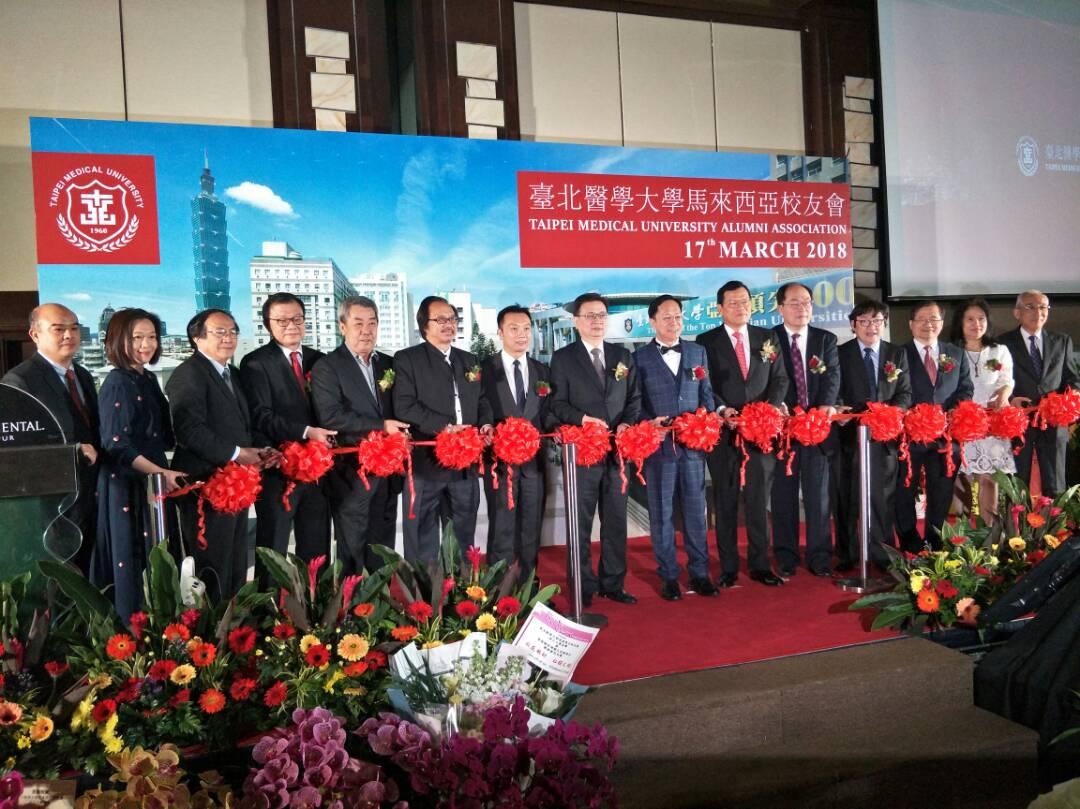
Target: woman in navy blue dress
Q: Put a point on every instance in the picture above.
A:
(136, 430)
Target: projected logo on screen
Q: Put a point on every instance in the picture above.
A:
(1027, 155)
(98, 209)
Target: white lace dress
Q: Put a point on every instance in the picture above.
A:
(990, 454)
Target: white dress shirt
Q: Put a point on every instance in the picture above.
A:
(458, 419)
(508, 367)
(803, 333)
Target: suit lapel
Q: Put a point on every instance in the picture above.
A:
(532, 398)
(502, 386)
(585, 359)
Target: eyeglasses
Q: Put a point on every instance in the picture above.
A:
(670, 319)
(594, 317)
(283, 322)
(221, 334)
(798, 304)
(446, 321)
(1032, 307)
(929, 321)
(736, 304)
(867, 323)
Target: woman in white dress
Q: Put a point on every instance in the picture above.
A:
(992, 373)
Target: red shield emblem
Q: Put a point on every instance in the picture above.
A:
(98, 213)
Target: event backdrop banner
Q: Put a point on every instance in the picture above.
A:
(176, 218)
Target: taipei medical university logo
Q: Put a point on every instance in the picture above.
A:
(95, 208)
(1027, 155)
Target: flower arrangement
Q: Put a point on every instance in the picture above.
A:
(1032, 527)
(155, 780)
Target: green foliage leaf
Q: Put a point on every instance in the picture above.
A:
(894, 616)
(877, 599)
(161, 584)
(88, 600)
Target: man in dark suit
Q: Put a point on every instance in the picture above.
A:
(673, 381)
(871, 370)
(275, 378)
(437, 387)
(596, 381)
(515, 384)
(744, 367)
(350, 388)
(67, 389)
(213, 426)
(939, 375)
(814, 374)
(1042, 362)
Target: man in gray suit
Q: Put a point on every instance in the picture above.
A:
(1042, 362)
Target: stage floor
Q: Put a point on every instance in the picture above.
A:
(746, 623)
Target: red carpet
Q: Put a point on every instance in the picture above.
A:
(743, 624)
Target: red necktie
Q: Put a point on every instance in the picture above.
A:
(744, 366)
(930, 366)
(76, 399)
(297, 370)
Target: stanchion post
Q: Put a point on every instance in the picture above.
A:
(863, 583)
(573, 538)
(155, 492)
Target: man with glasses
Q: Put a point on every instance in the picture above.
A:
(595, 381)
(67, 389)
(212, 424)
(437, 387)
(744, 367)
(1042, 362)
(275, 378)
(814, 372)
(871, 370)
(939, 375)
(673, 379)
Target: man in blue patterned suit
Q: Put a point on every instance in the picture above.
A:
(673, 381)
(939, 375)
(814, 370)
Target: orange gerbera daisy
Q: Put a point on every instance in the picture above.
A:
(928, 601)
(363, 609)
(1035, 520)
(203, 654)
(212, 700)
(352, 647)
(176, 632)
(120, 647)
(403, 633)
(475, 592)
(10, 712)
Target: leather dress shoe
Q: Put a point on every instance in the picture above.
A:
(704, 587)
(787, 572)
(586, 599)
(669, 590)
(822, 572)
(621, 596)
(766, 577)
(845, 567)
(727, 580)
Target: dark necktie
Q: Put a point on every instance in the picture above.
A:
(598, 364)
(800, 372)
(76, 399)
(519, 386)
(871, 374)
(930, 365)
(677, 348)
(297, 369)
(228, 380)
(1036, 357)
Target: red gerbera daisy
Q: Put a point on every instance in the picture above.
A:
(507, 606)
(130, 691)
(55, 668)
(241, 688)
(190, 617)
(103, 709)
(203, 654)
(404, 633)
(945, 589)
(162, 669)
(242, 640)
(356, 669)
(317, 655)
(466, 610)
(176, 633)
(419, 611)
(275, 695)
(283, 631)
(138, 622)
(120, 647)
(180, 697)
(375, 660)
(364, 609)
(212, 700)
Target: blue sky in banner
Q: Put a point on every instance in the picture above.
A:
(442, 210)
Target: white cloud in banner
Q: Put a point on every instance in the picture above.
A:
(603, 164)
(78, 296)
(262, 197)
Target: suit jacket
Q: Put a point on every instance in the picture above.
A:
(766, 382)
(854, 387)
(578, 392)
(209, 420)
(951, 386)
(280, 409)
(666, 394)
(499, 393)
(37, 377)
(1059, 369)
(343, 399)
(423, 396)
(822, 390)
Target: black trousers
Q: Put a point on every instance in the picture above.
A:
(358, 515)
(939, 494)
(600, 486)
(1050, 446)
(222, 565)
(421, 534)
(514, 536)
(309, 517)
(724, 465)
(810, 471)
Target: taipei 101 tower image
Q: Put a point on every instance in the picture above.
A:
(209, 245)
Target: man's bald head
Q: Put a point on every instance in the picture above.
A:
(55, 331)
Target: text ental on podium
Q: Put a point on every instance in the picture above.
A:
(609, 220)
